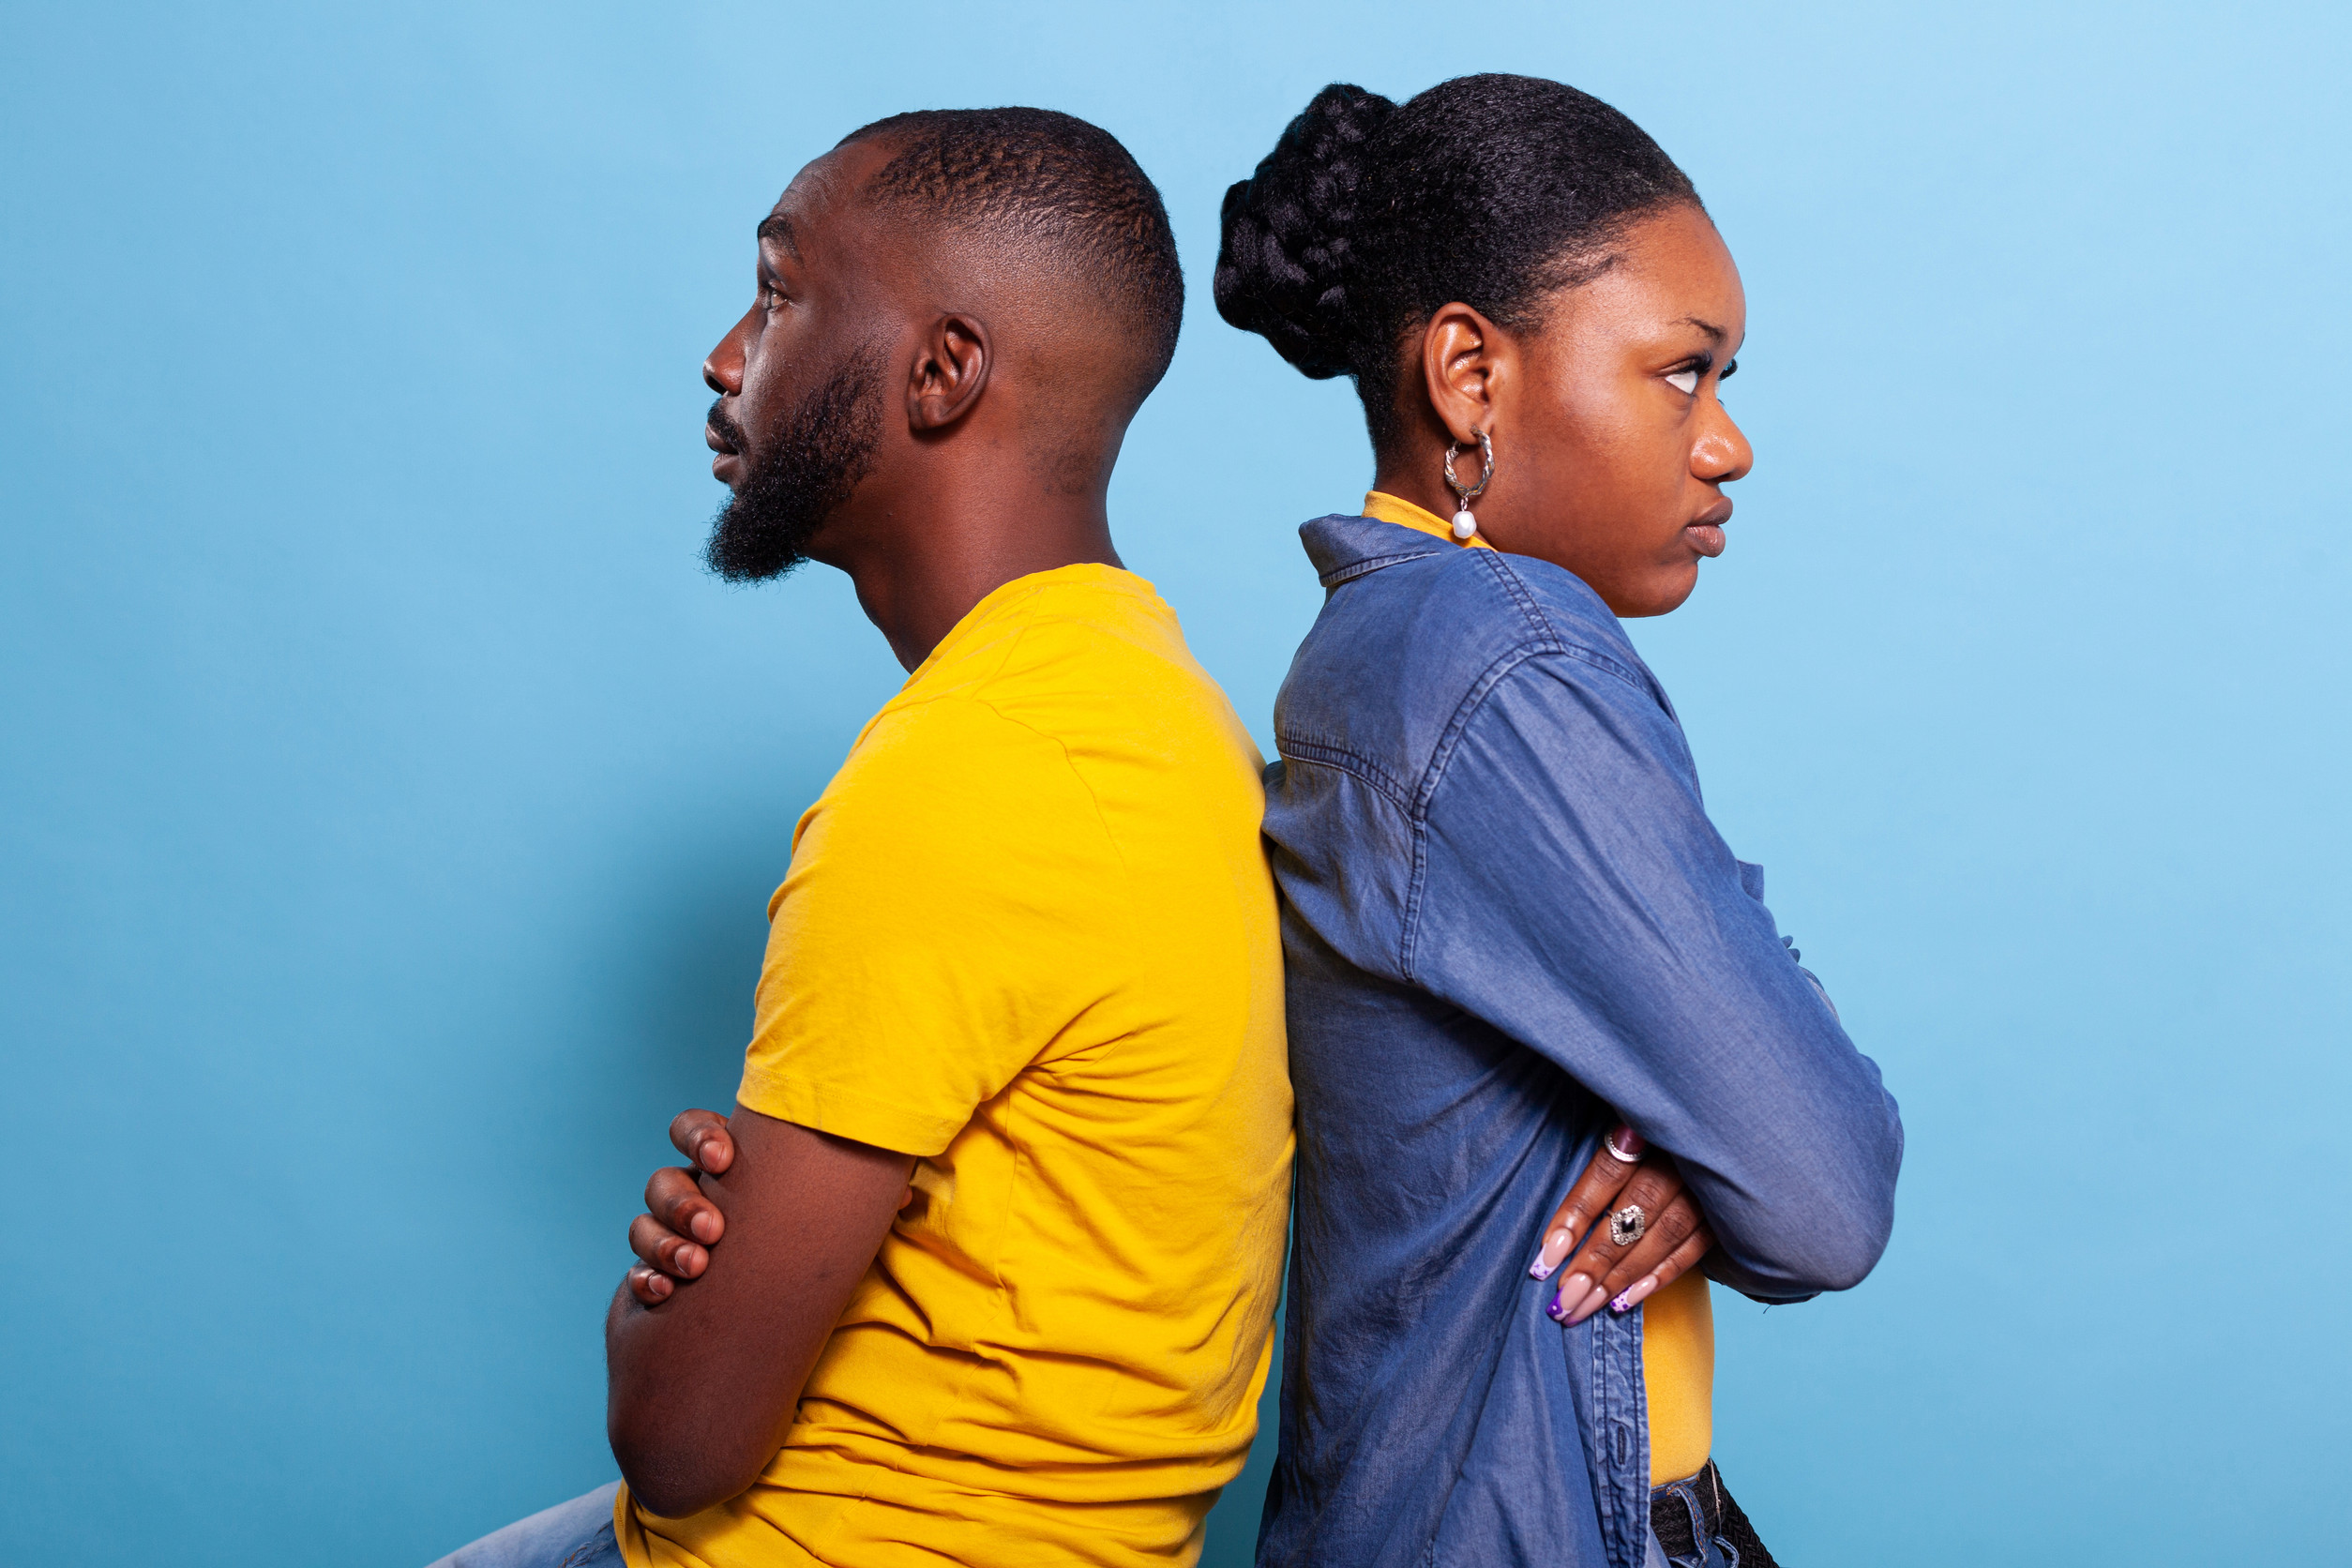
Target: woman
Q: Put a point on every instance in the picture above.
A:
(1505, 911)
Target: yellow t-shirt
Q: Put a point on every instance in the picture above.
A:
(1678, 1324)
(1029, 935)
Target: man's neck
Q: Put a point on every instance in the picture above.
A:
(922, 568)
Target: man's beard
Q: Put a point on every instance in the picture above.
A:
(810, 468)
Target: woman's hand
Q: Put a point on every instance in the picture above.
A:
(1646, 1230)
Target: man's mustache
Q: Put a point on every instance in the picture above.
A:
(729, 431)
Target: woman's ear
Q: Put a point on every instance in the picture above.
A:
(1463, 365)
(950, 371)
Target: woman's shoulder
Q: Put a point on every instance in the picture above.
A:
(1417, 632)
(1444, 616)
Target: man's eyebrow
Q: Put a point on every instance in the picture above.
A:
(778, 227)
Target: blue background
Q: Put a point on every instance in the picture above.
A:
(387, 801)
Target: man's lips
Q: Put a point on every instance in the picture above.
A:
(725, 456)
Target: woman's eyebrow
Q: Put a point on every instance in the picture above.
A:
(1709, 328)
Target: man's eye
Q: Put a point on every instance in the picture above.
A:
(1686, 382)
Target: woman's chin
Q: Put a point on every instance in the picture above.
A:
(1661, 594)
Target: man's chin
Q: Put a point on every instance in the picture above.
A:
(755, 548)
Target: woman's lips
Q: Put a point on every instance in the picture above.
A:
(1706, 537)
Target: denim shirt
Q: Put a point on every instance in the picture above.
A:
(1504, 913)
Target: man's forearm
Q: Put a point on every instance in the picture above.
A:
(687, 1431)
(702, 1389)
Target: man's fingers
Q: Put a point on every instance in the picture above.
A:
(1651, 1189)
(673, 1197)
(702, 1137)
(1604, 1175)
(665, 1249)
(1686, 1258)
(1667, 1230)
(649, 1286)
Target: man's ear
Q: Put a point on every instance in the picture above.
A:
(1464, 361)
(951, 369)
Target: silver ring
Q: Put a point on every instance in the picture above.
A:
(1627, 1223)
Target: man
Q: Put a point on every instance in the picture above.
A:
(1025, 960)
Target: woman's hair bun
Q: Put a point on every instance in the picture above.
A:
(1285, 263)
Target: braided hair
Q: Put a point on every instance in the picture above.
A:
(1369, 215)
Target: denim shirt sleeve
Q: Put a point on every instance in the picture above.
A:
(1570, 892)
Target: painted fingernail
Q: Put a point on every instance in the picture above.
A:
(1635, 1294)
(1592, 1304)
(1571, 1290)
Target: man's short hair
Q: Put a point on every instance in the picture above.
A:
(1042, 175)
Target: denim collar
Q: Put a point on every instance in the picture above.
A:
(1343, 547)
(1346, 548)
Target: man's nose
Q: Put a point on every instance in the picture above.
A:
(722, 372)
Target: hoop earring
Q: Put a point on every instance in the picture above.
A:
(1464, 525)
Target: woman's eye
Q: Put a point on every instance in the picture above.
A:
(1686, 382)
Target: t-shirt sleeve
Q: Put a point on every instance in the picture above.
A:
(953, 907)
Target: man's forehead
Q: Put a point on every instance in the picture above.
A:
(821, 196)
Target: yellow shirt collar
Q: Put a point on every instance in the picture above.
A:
(1397, 509)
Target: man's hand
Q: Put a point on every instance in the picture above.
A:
(700, 1388)
(1673, 1234)
(679, 1226)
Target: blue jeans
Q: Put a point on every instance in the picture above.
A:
(574, 1534)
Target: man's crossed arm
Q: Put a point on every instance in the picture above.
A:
(702, 1384)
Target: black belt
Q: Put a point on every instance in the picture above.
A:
(1701, 1503)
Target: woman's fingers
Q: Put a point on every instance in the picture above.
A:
(1607, 1173)
(1667, 1230)
(703, 1136)
(1682, 1260)
(1647, 1192)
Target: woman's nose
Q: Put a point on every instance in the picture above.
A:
(1721, 453)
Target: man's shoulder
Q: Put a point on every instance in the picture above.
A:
(1094, 658)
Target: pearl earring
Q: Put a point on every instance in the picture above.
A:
(1464, 525)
